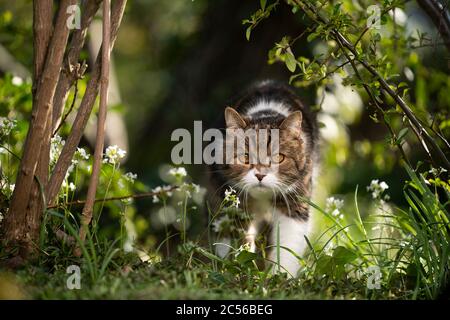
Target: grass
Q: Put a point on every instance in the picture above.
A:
(393, 254)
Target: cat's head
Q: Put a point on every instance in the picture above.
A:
(276, 161)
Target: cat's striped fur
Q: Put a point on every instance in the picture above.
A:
(269, 195)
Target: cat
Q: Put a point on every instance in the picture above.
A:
(270, 191)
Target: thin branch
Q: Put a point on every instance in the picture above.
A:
(311, 10)
(100, 139)
(130, 196)
(72, 105)
(373, 99)
(72, 69)
(84, 111)
(439, 16)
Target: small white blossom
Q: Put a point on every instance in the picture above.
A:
(82, 154)
(1, 217)
(437, 172)
(6, 126)
(189, 188)
(244, 247)
(131, 177)
(71, 185)
(178, 173)
(333, 206)
(56, 145)
(377, 188)
(114, 154)
(231, 197)
(17, 81)
(164, 191)
(12, 187)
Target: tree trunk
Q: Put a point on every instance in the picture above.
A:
(22, 223)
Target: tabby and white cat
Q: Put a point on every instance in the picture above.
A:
(270, 192)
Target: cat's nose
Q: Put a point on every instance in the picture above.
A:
(259, 176)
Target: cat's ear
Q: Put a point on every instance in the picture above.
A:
(293, 123)
(233, 119)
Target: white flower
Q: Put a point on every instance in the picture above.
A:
(1, 217)
(12, 187)
(71, 185)
(56, 145)
(164, 191)
(114, 154)
(377, 188)
(437, 172)
(17, 81)
(6, 126)
(131, 177)
(333, 206)
(178, 173)
(231, 197)
(228, 193)
(244, 247)
(82, 154)
(167, 190)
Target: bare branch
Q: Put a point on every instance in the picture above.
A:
(72, 70)
(100, 139)
(439, 16)
(84, 111)
(129, 196)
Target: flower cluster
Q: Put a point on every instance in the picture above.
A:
(179, 173)
(163, 192)
(232, 198)
(6, 126)
(333, 206)
(80, 154)
(189, 188)
(131, 177)
(114, 154)
(377, 188)
(70, 185)
(437, 172)
(56, 145)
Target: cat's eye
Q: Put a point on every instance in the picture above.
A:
(278, 158)
(244, 158)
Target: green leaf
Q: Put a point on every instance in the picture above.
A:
(324, 265)
(401, 135)
(263, 4)
(312, 36)
(248, 32)
(343, 255)
(244, 257)
(291, 62)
